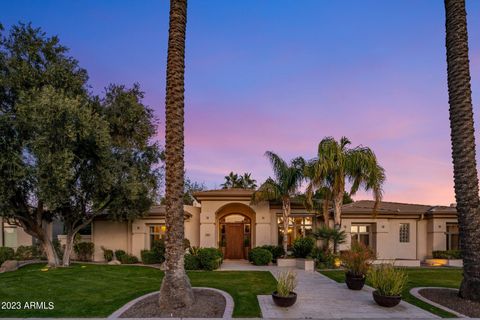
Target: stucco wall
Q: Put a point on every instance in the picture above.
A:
(386, 237)
(109, 234)
(23, 238)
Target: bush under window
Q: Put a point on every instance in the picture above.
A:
(84, 250)
(447, 254)
(128, 259)
(6, 253)
(276, 251)
(302, 247)
(260, 257)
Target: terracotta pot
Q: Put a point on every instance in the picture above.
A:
(284, 301)
(354, 282)
(386, 301)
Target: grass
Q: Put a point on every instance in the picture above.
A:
(99, 290)
(419, 277)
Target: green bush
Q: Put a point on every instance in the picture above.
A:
(302, 247)
(447, 254)
(151, 257)
(6, 253)
(24, 253)
(192, 262)
(158, 249)
(119, 254)
(129, 259)
(84, 250)
(107, 254)
(210, 258)
(324, 259)
(260, 257)
(388, 281)
(276, 251)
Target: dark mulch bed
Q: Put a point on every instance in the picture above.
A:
(208, 304)
(450, 299)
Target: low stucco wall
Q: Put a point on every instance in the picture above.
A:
(109, 234)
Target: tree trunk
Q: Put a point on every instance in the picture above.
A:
(68, 250)
(47, 247)
(463, 146)
(326, 216)
(337, 209)
(175, 291)
(286, 216)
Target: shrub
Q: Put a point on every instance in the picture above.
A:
(148, 257)
(328, 235)
(128, 259)
(287, 281)
(302, 247)
(210, 258)
(107, 254)
(119, 254)
(324, 259)
(37, 252)
(6, 253)
(24, 253)
(59, 249)
(192, 262)
(447, 254)
(194, 251)
(260, 257)
(388, 281)
(358, 259)
(84, 250)
(158, 248)
(276, 251)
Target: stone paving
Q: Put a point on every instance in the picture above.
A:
(322, 298)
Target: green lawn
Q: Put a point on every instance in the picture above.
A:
(99, 290)
(419, 277)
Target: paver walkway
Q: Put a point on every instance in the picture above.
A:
(321, 297)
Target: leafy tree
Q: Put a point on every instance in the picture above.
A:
(233, 180)
(285, 185)
(175, 291)
(190, 187)
(463, 145)
(336, 163)
(321, 202)
(32, 66)
(115, 165)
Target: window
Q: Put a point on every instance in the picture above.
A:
(404, 232)
(157, 232)
(361, 233)
(298, 226)
(10, 236)
(453, 240)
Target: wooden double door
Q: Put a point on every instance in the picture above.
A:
(234, 233)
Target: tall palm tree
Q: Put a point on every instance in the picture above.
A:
(175, 291)
(288, 178)
(232, 181)
(463, 146)
(335, 164)
(248, 182)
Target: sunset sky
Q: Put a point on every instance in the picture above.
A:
(282, 74)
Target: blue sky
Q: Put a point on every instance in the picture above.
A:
(282, 74)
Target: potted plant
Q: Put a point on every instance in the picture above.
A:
(246, 247)
(357, 261)
(284, 296)
(389, 283)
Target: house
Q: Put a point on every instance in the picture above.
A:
(13, 236)
(407, 233)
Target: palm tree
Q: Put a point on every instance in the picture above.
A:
(335, 163)
(232, 181)
(288, 178)
(463, 146)
(175, 291)
(248, 182)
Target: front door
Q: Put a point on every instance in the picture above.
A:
(234, 235)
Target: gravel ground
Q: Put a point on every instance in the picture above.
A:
(208, 304)
(450, 299)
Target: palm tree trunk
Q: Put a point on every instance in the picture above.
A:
(286, 216)
(175, 291)
(463, 146)
(337, 209)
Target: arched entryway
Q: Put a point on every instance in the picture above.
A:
(235, 225)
